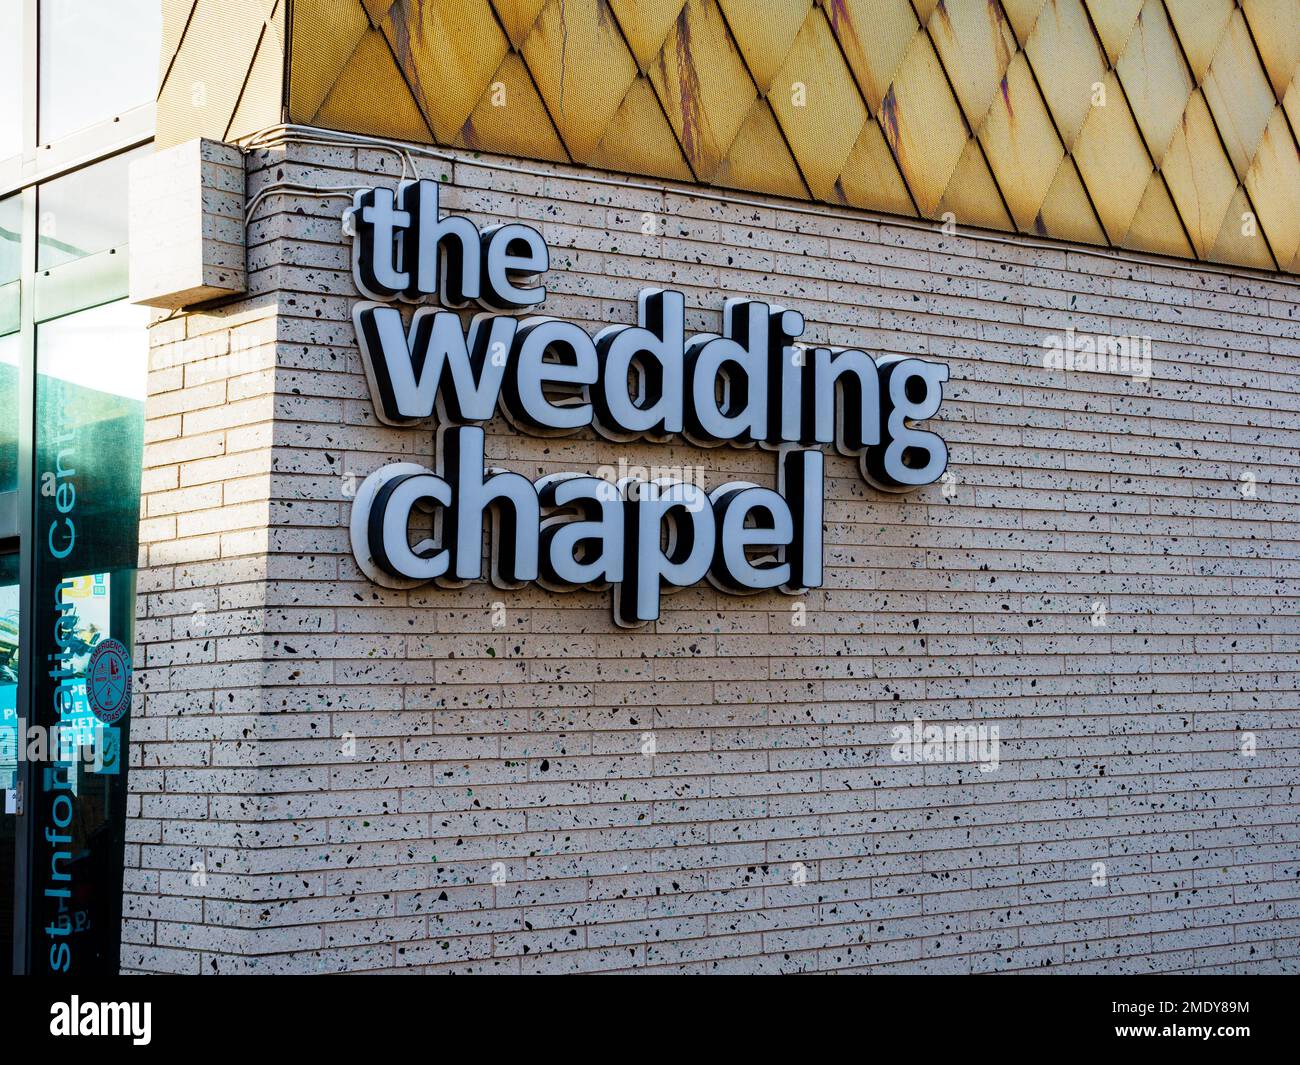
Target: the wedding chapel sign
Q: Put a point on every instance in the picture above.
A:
(752, 385)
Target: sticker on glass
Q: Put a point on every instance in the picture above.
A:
(108, 680)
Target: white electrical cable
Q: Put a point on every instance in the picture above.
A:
(318, 135)
(324, 192)
(401, 153)
(296, 133)
(327, 191)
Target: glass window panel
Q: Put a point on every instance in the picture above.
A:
(97, 60)
(11, 260)
(101, 350)
(11, 250)
(11, 77)
(10, 358)
(84, 212)
(90, 388)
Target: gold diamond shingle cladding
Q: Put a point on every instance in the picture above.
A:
(1164, 126)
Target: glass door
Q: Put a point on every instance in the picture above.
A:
(9, 740)
(90, 388)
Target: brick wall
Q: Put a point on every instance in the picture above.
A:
(328, 775)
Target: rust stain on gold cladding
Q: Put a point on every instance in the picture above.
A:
(889, 117)
(688, 91)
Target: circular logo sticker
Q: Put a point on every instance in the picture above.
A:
(108, 680)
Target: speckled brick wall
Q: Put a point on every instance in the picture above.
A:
(327, 775)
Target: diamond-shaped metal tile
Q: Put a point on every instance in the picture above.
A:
(448, 50)
(517, 17)
(923, 125)
(1020, 141)
(511, 117)
(1067, 212)
(639, 140)
(1156, 226)
(1114, 20)
(1239, 94)
(975, 46)
(645, 24)
(765, 33)
(1273, 182)
(567, 43)
(1023, 15)
(1155, 78)
(1067, 59)
(1112, 160)
(1200, 25)
(972, 196)
(237, 26)
(818, 105)
(1199, 175)
(758, 158)
(1275, 27)
(330, 41)
(261, 101)
(875, 36)
(870, 177)
(1240, 241)
(350, 103)
(703, 85)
